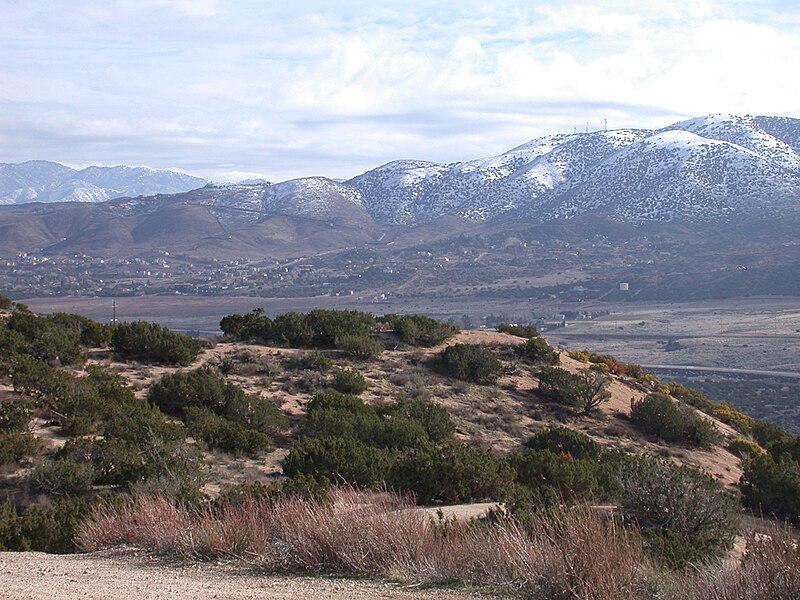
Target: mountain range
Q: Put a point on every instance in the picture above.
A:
(43, 181)
(703, 172)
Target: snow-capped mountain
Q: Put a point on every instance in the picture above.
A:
(699, 170)
(678, 175)
(42, 181)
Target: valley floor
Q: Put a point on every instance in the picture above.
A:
(120, 576)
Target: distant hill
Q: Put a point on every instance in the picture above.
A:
(704, 208)
(43, 181)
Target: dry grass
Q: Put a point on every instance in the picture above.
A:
(569, 554)
(574, 554)
(769, 570)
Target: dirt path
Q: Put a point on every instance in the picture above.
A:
(122, 576)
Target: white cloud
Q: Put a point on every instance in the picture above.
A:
(289, 89)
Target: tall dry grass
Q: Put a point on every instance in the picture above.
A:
(769, 570)
(571, 554)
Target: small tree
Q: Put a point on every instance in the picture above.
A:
(537, 350)
(585, 390)
(591, 390)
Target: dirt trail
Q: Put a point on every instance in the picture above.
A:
(122, 576)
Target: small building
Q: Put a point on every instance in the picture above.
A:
(623, 287)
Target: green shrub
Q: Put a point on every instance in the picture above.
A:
(771, 486)
(537, 350)
(49, 530)
(60, 478)
(5, 303)
(470, 362)
(419, 330)
(744, 448)
(90, 333)
(337, 459)
(15, 446)
(526, 331)
(258, 414)
(434, 419)
(585, 390)
(16, 439)
(14, 417)
(115, 462)
(768, 434)
(360, 346)
(219, 432)
(569, 479)
(139, 423)
(176, 391)
(349, 381)
(331, 414)
(403, 424)
(719, 410)
(399, 433)
(320, 328)
(677, 501)
(579, 355)
(252, 326)
(11, 344)
(151, 342)
(300, 486)
(659, 415)
(331, 325)
(75, 402)
(293, 329)
(46, 338)
(451, 473)
(561, 440)
(317, 360)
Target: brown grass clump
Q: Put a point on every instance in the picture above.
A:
(770, 570)
(569, 554)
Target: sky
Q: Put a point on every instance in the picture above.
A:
(233, 89)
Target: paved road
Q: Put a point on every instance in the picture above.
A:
(791, 374)
(666, 335)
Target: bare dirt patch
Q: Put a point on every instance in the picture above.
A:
(121, 576)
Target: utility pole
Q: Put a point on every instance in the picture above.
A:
(605, 124)
(113, 312)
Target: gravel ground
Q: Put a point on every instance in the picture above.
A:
(128, 575)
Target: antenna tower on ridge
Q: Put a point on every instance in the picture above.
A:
(605, 124)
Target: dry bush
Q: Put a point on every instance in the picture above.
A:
(155, 523)
(569, 554)
(769, 570)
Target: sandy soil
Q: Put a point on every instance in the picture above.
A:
(123, 576)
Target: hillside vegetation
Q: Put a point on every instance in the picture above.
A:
(304, 441)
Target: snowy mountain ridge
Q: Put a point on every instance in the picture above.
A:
(43, 181)
(701, 169)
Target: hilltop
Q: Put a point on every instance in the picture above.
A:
(331, 412)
